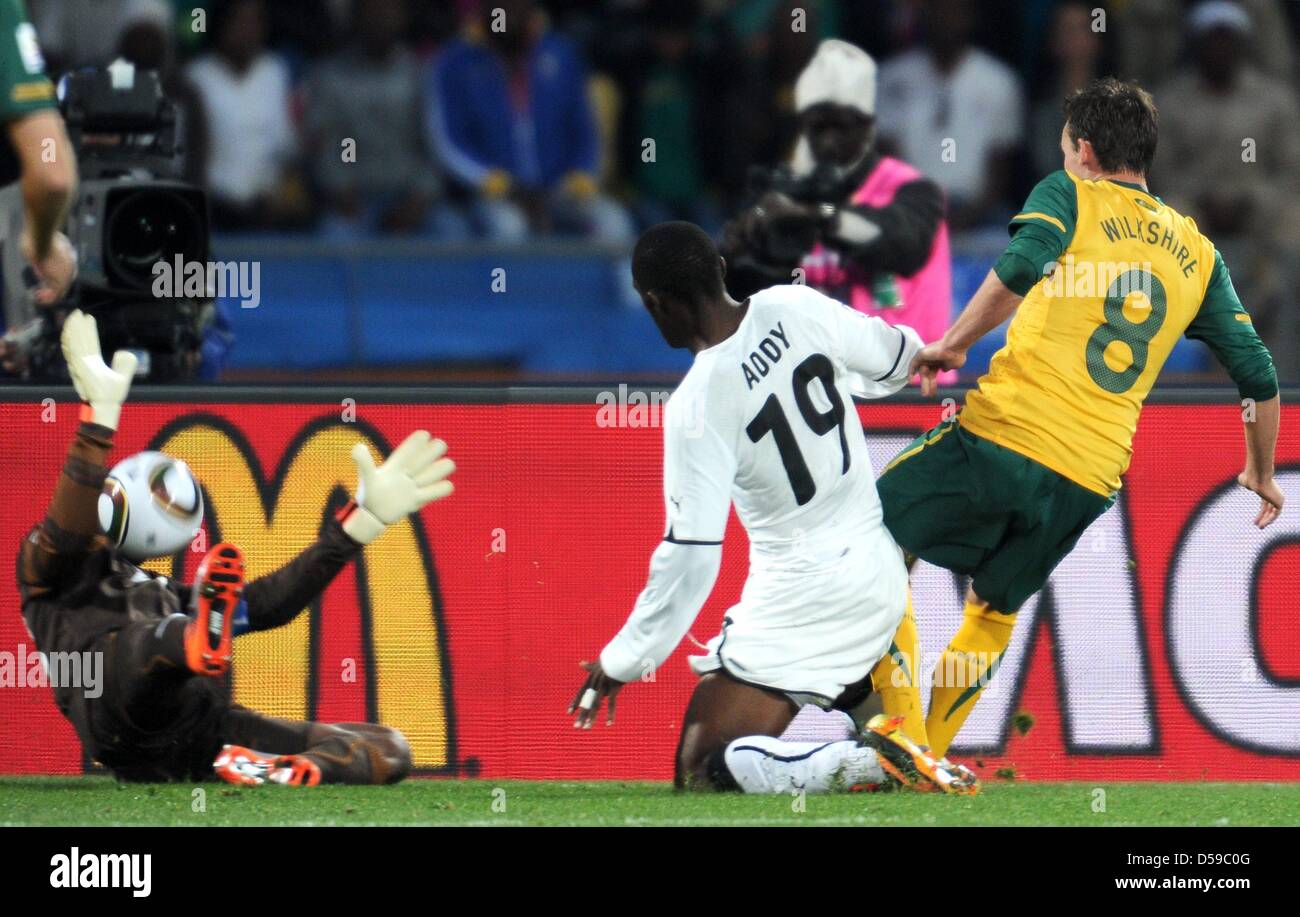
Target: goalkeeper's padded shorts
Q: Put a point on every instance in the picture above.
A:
(959, 501)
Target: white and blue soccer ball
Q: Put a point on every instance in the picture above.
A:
(151, 506)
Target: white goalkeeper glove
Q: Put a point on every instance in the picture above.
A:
(414, 475)
(102, 387)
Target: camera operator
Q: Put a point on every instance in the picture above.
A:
(34, 147)
(867, 229)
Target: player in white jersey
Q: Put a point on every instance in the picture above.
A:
(765, 419)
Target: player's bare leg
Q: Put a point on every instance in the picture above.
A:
(265, 749)
(730, 742)
(720, 711)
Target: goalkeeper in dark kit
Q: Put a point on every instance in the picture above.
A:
(164, 712)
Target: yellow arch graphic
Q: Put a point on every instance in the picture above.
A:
(272, 668)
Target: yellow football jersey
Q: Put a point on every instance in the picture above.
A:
(1128, 277)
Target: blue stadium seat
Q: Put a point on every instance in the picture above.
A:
(302, 321)
(563, 312)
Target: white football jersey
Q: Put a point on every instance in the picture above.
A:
(765, 419)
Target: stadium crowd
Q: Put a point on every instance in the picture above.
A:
(594, 118)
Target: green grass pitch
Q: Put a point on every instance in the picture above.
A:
(68, 801)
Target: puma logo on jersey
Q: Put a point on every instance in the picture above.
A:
(767, 355)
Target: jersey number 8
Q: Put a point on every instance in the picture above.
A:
(1117, 327)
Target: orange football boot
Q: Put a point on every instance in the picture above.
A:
(911, 765)
(245, 767)
(218, 585)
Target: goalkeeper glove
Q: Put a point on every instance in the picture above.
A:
(102, 388)
(413, 476)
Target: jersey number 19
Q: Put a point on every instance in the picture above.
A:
(771, 419)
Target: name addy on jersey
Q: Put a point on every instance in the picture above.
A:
(768, 354)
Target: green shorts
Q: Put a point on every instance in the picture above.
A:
(964, 503)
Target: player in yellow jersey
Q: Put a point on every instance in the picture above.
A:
(1103, 279)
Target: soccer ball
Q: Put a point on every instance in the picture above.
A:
(151, 506)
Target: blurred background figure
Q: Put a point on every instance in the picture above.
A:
(864, 228)
(770, 53)
(583, 119)
(148, 40)
(671, 185)
(957, 113)
(364, 130)
(1150, 36)
(80, 33)
(1077, 53)
(512, 121)
(1229, 156)
(252, 158)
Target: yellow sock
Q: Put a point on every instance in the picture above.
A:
(963, 670)
(894, 678)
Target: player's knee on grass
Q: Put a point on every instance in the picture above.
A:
(360, 753)
(688, 768)
(396, 752)
(723, 709)
(703, 769)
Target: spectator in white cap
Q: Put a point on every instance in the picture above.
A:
(1214, 14)
(1229, 156)
(864, 228)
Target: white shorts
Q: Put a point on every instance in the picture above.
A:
(813, 633)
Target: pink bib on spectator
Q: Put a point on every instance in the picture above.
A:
(926, 296)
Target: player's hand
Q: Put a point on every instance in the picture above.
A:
(933, 359)
(55, 272)
(101, 386)
(586, 703)
(1271, 498)
(414, 475)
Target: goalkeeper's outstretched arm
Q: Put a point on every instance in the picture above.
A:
(56, 547)
(415, 474)
(55, 550)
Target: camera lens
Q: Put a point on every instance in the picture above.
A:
(148, 226)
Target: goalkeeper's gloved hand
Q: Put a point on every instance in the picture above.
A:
(102, 387)
(413, 476)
